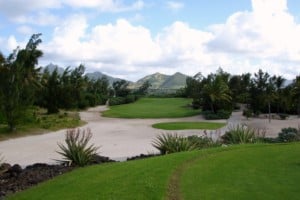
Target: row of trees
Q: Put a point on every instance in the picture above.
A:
(23, 85)
(261, 93)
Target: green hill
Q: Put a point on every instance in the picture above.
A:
(257, 171)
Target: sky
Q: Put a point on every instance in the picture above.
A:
(133, 38)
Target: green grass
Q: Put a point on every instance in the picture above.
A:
(257, 171)
(262, 172)
(153, 108)
(142, 179)
(188, 125)
(36, 121)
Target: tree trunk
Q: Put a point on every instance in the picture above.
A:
(269, 105)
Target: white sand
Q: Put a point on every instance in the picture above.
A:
(118, 138)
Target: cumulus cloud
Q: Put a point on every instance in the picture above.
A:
(266, 37)
(174, 5)
(15, 9)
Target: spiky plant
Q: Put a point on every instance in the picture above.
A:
(241, 134)
(171, 143)
(77, 152)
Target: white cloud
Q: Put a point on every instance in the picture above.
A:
(266, 37)
(20, 10)
(25, 30)
(174, 5)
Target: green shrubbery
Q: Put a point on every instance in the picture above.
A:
(242, 134)
(220, 114)
(289, 135)
(77, 151)
(171, 143)
(122, 100)
(203, 142)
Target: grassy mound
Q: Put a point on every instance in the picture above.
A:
(188, 125)
(153, 108)
(237, 172)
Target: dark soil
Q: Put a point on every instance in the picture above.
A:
(14, 178)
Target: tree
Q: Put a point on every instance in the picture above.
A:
(19, 80)
(120, 88)
(216, 92)
(296, 93)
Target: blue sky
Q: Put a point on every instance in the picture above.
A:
(133, 38)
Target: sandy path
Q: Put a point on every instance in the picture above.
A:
(118, 138)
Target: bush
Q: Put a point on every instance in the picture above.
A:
(122, 100)
(220, 114)
(283, 116)
(202, 142)
(248, 113)
(242, 134)
(77, 152)
(289, 135)
(171, 143)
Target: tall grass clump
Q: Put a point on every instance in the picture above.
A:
(241, 134)
(171, 143)
(77, 152)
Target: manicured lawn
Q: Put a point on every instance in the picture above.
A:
(238, 172)
(153, 108)
(188, 125)
(262, 172)
(143, 179)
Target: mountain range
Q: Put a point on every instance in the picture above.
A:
(157, 80)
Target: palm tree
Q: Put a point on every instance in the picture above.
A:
(216, 90)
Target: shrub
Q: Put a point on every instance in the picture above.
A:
(242, 134)
(77, 152)
(289, 135)
(171, 143)
(202, 142)
(283, 116)
(220, 114)
(248, 113)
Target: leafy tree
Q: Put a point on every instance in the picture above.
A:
(120, 88)
(19, 80)
(216, 92)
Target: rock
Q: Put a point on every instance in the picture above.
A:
(97, 159)
(4, 167)
(15, 170)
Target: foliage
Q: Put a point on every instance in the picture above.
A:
(121, 88)
(18, 80)
(153, 108)
(220, 114)
(241, 134)
(289, 135)
(188, 125)
(122, 100)
(172, 143)
(248, 113)
(77, 151)
(203, 142)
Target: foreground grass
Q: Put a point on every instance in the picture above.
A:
(36, 121)
(188, 125)
(262, 172)
(153, 108)
(238, 172)
(143, 179)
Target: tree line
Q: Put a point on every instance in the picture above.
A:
(23, 85)
(219, 93)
